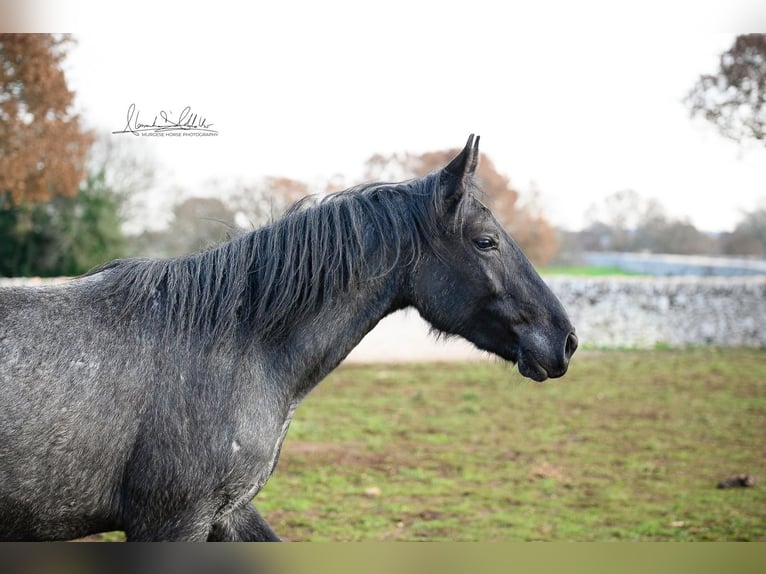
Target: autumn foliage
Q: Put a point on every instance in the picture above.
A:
(56, 216)
(42, 144)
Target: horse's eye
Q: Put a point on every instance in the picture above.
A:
(485, 243)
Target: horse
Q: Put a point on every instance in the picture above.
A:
(152, 396)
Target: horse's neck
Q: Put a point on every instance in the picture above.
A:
(320, 344)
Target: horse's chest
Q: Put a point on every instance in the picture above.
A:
(256, 458)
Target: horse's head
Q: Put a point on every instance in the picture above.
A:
(477, 283)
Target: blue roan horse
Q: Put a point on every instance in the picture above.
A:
(152, 396)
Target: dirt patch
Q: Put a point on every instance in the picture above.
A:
(314, 454)
(545, 470)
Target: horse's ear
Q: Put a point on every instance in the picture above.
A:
(464, 164)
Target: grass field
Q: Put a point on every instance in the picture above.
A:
(628, 446)
(587, 271)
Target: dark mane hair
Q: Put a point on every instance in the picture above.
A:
(276, 276)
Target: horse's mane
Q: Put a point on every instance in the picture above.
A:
(273, 278)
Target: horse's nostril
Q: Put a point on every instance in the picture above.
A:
(571, 345)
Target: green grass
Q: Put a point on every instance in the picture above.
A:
(628, 446)
(587, 271)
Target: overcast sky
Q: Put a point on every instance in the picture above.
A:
(583, 99)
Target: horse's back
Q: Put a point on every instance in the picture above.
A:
(44, 331)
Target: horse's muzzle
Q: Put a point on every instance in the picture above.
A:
(540, 359)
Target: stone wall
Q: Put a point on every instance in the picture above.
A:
(673, 311)
(607, 312)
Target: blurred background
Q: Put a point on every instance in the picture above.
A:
(594, 138)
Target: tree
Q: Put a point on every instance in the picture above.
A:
(263, 201)
(42, 145)
(200, 222)
(128, 171)
(734, 98)
(57, 217)
(526, 224)
(737, 243)
(625, 221)
(89, 227)
(666, 235)
(66, 236)
(613, 222)
(749, 236)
